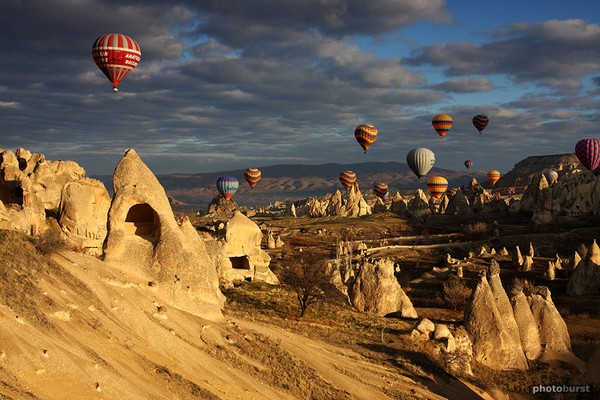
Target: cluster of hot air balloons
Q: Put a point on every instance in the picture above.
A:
(442, 123)
(228, 185)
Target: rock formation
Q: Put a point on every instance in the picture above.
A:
(528, 329)
(493, 346)
(144, 235)
(418, 205)
(459, 204)
(586, 276)
(375, 289)
(241, 255)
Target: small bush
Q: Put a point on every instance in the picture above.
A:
(477, 229)
(456, 292)
(51, 241)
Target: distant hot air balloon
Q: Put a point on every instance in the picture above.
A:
(442, 124)
(380, 189)
(227, 186)
(493, 176)
(420, 161)
(551, 177)
(252, 176)
(116, 55)
(365, 136)
(347, 179)
(468, 163)
(480, 121)
(588, 153)
(437, 186)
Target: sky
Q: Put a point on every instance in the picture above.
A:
(226, 84)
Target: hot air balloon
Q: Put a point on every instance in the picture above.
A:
(365, 136)
(551, 177)
(493, 176)
(420, 161)
(116, 55)
(380, 189)
(480, 121)
(588, 153)
(437, 186)
(442, 124)
(252, 176)
(227, 186)
(468, 163)
(347, 179)
(451, 192)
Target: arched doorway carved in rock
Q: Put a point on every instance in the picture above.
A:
(143, 221)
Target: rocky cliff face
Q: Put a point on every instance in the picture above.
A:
(525, 170)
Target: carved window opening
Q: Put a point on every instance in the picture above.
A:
(240, 262)
(142, 220)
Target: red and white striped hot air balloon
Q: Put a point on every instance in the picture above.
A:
(116, 55)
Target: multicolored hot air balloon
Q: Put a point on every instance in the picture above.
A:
(420, 161)
(437, 186)
(480, 121)
(588, 153)
(227, 186)
(493, 176)
(252, 176)
(442, 124)
(116, 55)
(468, 163)
(365, 136)
(380, 189)
(551, 177)
(451, 192)
(347, 179)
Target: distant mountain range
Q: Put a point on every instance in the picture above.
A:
(291, 182)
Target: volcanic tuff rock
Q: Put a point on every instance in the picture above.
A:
(586, 276)
(351, 204)
(528, 330)
(493, 346)
(376, 290)
(524, 170)
(241, 256)
(143, 234)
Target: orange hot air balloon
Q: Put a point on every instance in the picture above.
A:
(442, 124)
(116, 55)
(252, 176)
(437, 186)
(365, 136)
(493, 176)
(347, 179)
(380, 189)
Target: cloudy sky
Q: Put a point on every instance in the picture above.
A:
(227, 84)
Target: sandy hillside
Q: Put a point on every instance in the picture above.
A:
(73, 327)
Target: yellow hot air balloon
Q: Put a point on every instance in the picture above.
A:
(437, 186)
(442, 124)
(365, 136)
(493, 176)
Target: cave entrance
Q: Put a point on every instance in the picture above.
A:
(142, 220)
(11, 193)
(240, 263)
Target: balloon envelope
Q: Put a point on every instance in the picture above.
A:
(365, 136)
(116, 55)
(252, 176)
(588, 153)
(380, 189)
(480, 122)
(227, 186)
(420, 161)
(437, 186)
(468, 164)
(347, 179)
(551, 177)
(493, 176)
(442, 124)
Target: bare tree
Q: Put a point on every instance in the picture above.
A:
(308, 277)
(456, 292)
